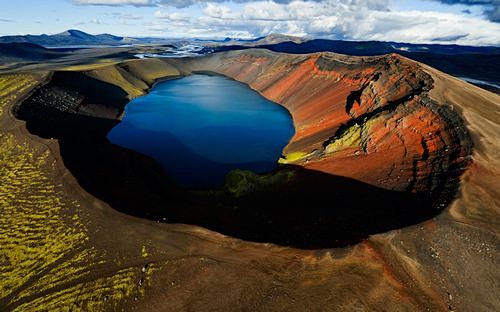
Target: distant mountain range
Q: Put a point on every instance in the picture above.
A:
(359, 48)
(269, 39)
(478, 64)
(75, 37)
(275, 42)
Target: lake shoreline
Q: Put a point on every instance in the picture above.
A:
(234, 99)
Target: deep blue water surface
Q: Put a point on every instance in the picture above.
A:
(200, 127)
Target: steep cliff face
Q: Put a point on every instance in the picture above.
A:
(365, 118)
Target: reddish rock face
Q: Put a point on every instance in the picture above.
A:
(366, 118)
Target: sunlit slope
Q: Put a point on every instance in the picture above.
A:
(367, 118)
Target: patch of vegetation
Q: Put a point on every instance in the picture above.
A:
(104, 293)
(90, 66)
(11, 86)
(292, 157)
(349, 138)
(244, 182)
(46, 260)
(150, 70)
(34, 236)
(113, 75)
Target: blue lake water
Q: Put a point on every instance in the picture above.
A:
(201, 127)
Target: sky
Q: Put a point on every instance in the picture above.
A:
(466, 22)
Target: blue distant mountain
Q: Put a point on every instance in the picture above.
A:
(75, 37)
(69, 37)
(366, 48)
(229, 39)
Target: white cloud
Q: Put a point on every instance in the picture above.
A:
(173, 16)
(372, 4)
(335, 19)
(126, 16)
(219, 12)
(356, 20)
(116, 2)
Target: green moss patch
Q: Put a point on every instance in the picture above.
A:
(243, 182)
(350, 138)
(292, 157)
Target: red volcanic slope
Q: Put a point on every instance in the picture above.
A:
(367, 118)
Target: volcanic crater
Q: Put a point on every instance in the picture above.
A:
(372, 151)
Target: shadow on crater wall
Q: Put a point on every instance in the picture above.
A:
(291, 207)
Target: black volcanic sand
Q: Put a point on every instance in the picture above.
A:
(292, 206)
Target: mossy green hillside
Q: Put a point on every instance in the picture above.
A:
(47, 262)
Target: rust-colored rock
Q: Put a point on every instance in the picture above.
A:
(399, 138)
